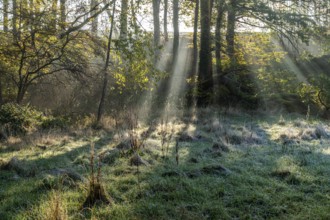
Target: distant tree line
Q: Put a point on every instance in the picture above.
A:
(44, 38)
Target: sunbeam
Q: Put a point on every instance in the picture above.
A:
(178, 84)
(288, 62)
(150, 96)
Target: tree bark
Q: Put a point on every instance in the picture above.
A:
(211, 8)
(205, 78)
(176, 32)
(155, 7)
(5, 15)
(218, 37)
(195, 38)
(20, 93)
(105, 69)
(134, 19)
(63, 14)
(54, 15)
(230, 37)
(193, 71)
(1, 92)
(14, 19)
(123, 19)
(94, 5)
(5, 29)
(165, 20)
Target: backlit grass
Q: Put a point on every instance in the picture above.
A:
(271, 170)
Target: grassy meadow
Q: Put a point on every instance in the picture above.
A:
(207, 165)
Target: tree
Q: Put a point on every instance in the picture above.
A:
(195, 38)
(230, 36)
(5, 29)
(94, 7)
(36, 50)
(123, 19)
(105, 69)
(205, 78)
(14, 19)
(218, 37)
(5, 15)
(134, 18)
(63, 14)
(194, 62)
(155, 13)
(176, 32)
(54, 14)
(165, 20)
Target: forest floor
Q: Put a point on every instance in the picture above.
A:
(213, 165)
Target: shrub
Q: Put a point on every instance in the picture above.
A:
(16, 119)
(55, 122)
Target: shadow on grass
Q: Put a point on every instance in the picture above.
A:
(265, 181)
(20, 192)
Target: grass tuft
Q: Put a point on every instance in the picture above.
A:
(238, 166)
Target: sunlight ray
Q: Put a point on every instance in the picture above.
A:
(149, 96)
(176, 94)
(290, 63)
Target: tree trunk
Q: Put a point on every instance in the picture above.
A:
(63, 14)
(195, 38)
(32, 24)
(165, 20)
(211, 7)
(24, 15)
(218, 38)
(1, 93)
(155, 7)
(205, 78)
(20, 93)
(134, 19)
(94, 28)
(105, 70)
(193, 71)
(123, 19)
(5, 15)
(14, 19)
(54, 15)
(176, 30)
(230, 37)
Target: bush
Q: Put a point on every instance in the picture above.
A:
(55, 122)
(16, 119)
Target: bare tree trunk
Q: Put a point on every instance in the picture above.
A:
(230, 37)
(155, 7)
(165, 20)
(176, 30)
(134, 19)
(105, 69)
(1, 93)
(5, 15)
(21, 92)
(95, 22)
(14, 19)
(205, 78)
(123, 19)
(218, 38)
(63, 14)
(211, 7)
(54, 15)
(195, 38)
(193, 71)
